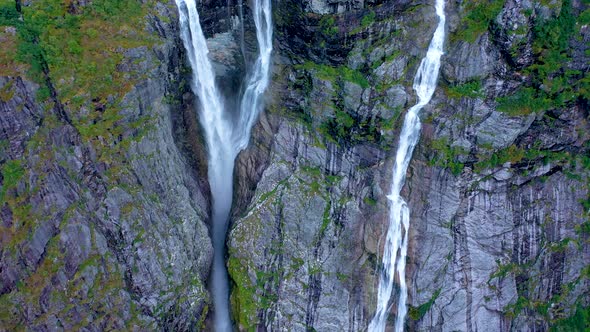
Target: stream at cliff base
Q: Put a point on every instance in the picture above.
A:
(225, 136)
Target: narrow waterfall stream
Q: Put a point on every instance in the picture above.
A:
(250, 105)
(225, 137)
(399, 213)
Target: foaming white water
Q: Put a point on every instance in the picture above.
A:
(250, 105)
(224, 140)
(399, 213)
(220, 151)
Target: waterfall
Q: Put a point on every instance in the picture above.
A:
(220, 151)
(258, 80)
(399, 213)
(225, 137)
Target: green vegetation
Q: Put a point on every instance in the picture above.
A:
(555, 310)
(343, 126)
(480, 14)
(78, 49)
(334, 74)
(523, 102)
(553, 85)
(470, 89)
(504, 269)
(369, 201)
(9, 66)
(96, 296)
(248, 297)
(368, 19)
(387, 58)
(346, 122)
(339, 127)
(74, 53)
(27, 49)
(584, 229)
(75, 50)
(6, 92)
(255, 285)
(8, 14)
(389, 124)
(243, 296)
(446, 155)
(421, 310)
(12, 172)
(326, 220)
(328, 26)
(511, 154)
(551, 45)
(343, 129)
(514, 154)
(354, 76)
(578, 322)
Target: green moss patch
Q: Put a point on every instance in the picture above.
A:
(477, 18)
(330, 73)
(416, 313)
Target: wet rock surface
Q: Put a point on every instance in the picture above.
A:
(104, 236)
(496, 239)
(107, 229)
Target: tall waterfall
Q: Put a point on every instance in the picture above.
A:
(225, 137)
(258, 79)
(399, 214)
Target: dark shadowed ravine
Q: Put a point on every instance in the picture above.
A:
(225, 135)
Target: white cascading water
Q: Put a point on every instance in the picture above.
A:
(258, 81)
(225, 138)
(399, 213)
(220, 151)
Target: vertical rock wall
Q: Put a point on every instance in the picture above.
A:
(103, 201)
(499, 236)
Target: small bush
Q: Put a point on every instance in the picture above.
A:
(470, 89)
(328, 26)
(8, 14)
(523, 102)
(368, 19)
(12, 172)
(479, 16)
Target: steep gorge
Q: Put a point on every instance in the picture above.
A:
(105, 199)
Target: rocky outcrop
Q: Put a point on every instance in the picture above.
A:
(103, 221)
(305, 243)
(499, 239)
(499, 236)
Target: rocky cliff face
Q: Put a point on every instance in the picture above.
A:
(103, 202)
(497, 187)
(501, 238)
(103, 193)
